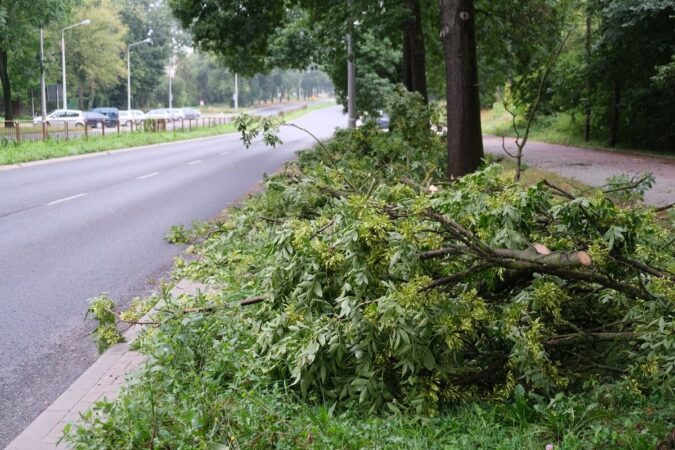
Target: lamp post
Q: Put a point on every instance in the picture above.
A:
(63, 57)
(144, 41)
(43, 94)
(236, 91)
(351, 73)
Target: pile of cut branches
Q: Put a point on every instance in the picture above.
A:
(387, 290)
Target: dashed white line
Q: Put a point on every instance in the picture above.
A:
(61, 200)
(194, 162)
(224, 153)
(143, 177)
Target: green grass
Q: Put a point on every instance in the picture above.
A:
(560, 128)
(38, 150)
(11, 153)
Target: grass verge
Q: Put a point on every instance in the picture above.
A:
(39, 150)
(560, 128)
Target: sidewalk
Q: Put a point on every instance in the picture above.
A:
(101, 381)
(594, 166)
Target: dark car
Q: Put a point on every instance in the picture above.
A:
(112, 115)
(94, 119)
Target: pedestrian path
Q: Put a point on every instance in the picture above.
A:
(102, 381)
(593, 167)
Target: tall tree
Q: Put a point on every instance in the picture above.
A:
(20, 21)
(465, 141)
(96, 53)
(414, 53)
(143, 19)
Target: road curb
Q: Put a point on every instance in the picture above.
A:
(101, 381)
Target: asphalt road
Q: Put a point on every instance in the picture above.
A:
(70, 230)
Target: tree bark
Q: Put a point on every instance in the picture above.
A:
(458, 34)
(614, 124)
(6, 90)
(414, 53)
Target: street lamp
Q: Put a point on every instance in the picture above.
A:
(63, 57)
(144, 41)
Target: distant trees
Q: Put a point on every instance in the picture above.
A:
(96, 52)
(20, 21)
(612, 74)
(635, 39)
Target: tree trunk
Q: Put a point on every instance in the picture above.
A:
(91, 96)
(6, 90)
(614, 124)
(465, 142)
(80, 95)
(587, 105)
(414, 64)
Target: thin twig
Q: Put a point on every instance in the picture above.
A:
(321, 230)
(628, 186)
(455, 277)
(559, 190)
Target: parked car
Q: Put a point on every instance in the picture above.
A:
(73, 117)
(175, 114)
(94, 119)
(191, 113)
(112, 115)
(127, 117)
(158, 114)
(383, 120)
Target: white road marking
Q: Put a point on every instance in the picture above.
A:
(194, 162)
(224, 153)
(72, 197)
(142, 177)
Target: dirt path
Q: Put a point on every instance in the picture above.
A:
(593, 167)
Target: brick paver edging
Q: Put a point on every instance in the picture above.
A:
(102, 380)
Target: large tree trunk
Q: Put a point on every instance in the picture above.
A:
(614, 124)
(6, 90)
(465, 141)
(414, 64)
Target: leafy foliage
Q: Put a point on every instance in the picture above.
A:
(106, 334)
(342, 245)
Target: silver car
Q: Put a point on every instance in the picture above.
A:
(74, 117)
(135, 115)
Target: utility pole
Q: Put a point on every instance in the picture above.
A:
(170, 90)
(351, 74)
(236, 91)
(43, 94)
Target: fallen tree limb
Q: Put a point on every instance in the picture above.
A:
(561, 264)
(642, 266)
(441, 252)
(454, 278)
(560, 191)
(555, 259)
(575, 337)
(663, 208)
